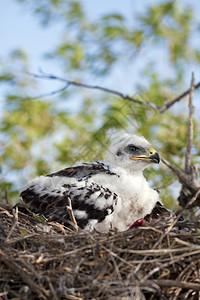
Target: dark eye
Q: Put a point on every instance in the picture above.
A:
(132, 148)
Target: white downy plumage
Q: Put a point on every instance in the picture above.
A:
(105, 195)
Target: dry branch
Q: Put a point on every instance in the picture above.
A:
(176, 99)
(189, 177)
(190, 170)
(173, 283)
(87, 86)
(123, 96)
(188, 155)
(71, 215)
(15, 220)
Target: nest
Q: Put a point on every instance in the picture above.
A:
(41, 260)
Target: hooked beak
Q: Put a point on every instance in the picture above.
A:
(153, 157)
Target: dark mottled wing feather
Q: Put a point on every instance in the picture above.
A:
(84, 171)
(86, 197)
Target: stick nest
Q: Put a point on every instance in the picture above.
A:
(46, 261)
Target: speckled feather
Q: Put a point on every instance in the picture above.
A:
(51, 199)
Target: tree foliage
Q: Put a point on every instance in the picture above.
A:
(41, 135)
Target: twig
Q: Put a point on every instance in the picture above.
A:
(3, 294)
(4, 211)
(117, 256)
(53, 292)
(88, 86)
(15, 217)
(71, 215)
(189, 177)
(184, 276)
(116, 268)
(166, 185)
(190, 170)
(174, 283)
(188, 156)
(160, 252)
(178, 98)
(23, 238)
(188, 180)
(110, 91)
(194, 198)
(6, 195)
(160, 109)
(182, 176)
(58, 91)
(178, 217)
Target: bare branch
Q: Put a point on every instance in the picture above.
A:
(58, 91)
(188, 156)
(71, 215)
(110, 91)
(180, 214)
(15, 221)
(188, 178)
(88, 86)
(160, 109)
(177, 171)
(182, 176)
(6, 195)
(163, 108)
(191, 172)
(123, 96)
(175, 283)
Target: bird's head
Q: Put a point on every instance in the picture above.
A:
(132, 152)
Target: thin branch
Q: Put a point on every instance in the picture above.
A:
(179, 173)
(58, 91)
(110, 91)
(6, 195)
(71, 215)
(182, 176)
(15, 221)
(160, 109)
(189, 177)
(180, 214)
(163, 108)
(188, 156)
(88, 86)
(174, 283)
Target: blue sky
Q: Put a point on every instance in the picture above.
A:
(20, 28)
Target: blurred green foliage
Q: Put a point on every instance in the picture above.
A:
(39, 136)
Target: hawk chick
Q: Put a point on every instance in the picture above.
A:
(105, 195)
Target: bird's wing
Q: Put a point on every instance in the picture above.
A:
(91, 202)
(85, 171)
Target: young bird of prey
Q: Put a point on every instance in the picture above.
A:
(104, 195)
